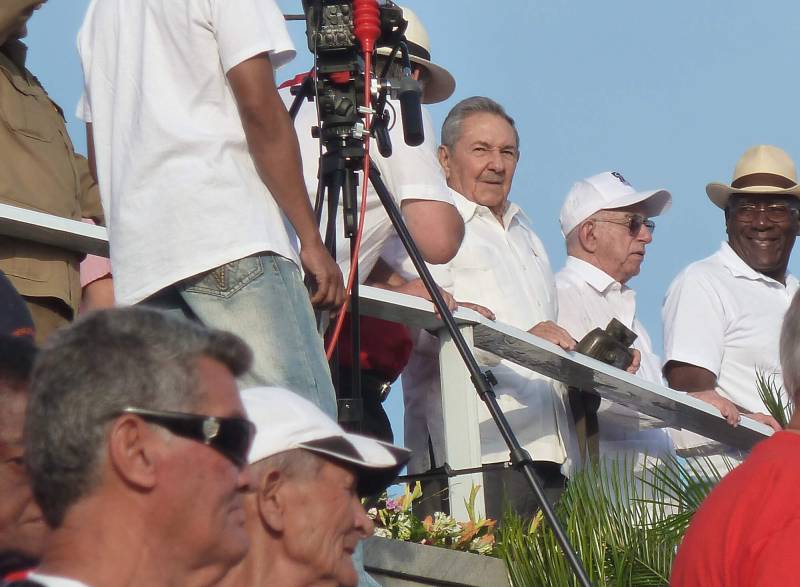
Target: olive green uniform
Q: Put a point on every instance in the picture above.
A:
(39, 170)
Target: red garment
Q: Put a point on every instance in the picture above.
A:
(385, 347)
(747, 531)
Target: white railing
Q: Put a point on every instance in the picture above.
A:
(459, 400)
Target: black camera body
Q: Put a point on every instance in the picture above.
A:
(610, 345)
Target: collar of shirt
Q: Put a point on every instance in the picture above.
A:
(738, 268)
(469, 209)
(16, 52)
(594, 276)
(621, 297)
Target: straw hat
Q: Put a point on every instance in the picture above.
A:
(764, 170)
(439, 85)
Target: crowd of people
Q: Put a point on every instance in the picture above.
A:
(183, 431)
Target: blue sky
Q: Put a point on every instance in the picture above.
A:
(668, 93)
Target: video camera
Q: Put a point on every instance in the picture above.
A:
(333, 31)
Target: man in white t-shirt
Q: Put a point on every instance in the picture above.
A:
(200, 176)
(722, 315)
(502, 265)
(136, 442)
(606, 224)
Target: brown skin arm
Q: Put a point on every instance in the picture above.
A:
(699, 382)
(273, 146)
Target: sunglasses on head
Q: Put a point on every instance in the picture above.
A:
(634, 222)
(231, 437)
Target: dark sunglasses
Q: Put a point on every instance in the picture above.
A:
(634, 222)
(231, 437)
(775, 212)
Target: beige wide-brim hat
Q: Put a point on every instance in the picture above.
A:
(762, 170)
(439, 85)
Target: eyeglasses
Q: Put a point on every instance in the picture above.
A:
(634, 222)
(231, 437)
(775, 212)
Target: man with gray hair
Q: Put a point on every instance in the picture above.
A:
(745, 532)
(304, 515)
(136, 442)
(502, 265)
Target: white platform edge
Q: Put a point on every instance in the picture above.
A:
(53, 230)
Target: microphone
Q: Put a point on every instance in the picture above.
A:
(409, 92)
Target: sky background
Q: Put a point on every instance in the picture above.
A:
(670, 94)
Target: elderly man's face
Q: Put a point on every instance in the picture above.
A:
(204, 490)
(762, 230)
(22, 528)
(325, 523)
(620, 250)
(481, 165)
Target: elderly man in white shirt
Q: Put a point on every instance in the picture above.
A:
(722, 315)
(607, 226)
(501, 264)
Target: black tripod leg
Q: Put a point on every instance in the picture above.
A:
(351, 408)
(520, 458)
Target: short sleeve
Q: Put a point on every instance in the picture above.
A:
(246, 28)
(414, 173)
(694, 322)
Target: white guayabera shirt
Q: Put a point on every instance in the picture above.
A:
(505, 268)
(589, 298)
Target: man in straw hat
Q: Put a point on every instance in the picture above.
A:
(415, 180)
(411, 174)
(722, 315)
(304, 516)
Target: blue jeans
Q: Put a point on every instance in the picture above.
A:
(262, 299)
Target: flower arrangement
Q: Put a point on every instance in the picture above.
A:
(393, 518)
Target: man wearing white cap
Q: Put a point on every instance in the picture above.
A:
(304, 516)
(607, 225)
(722, 315)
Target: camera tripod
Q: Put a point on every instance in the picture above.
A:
(338, 165)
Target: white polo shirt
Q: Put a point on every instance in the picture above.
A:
(411, 173)
(723, 316)
(506, 269)
(589, 298)
(179, 188)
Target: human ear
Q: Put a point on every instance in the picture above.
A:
(132, 452)
(587, 237)
(443, 155)
(271, 499)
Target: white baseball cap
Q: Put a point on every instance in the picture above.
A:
(286, 421)
(606, 191)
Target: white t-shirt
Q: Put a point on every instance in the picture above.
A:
(411, 173)
(589, 298)
(179, 188)
(723, 316)
(506, 269)
(52, 581)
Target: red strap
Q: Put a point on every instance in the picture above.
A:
(295, 81)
